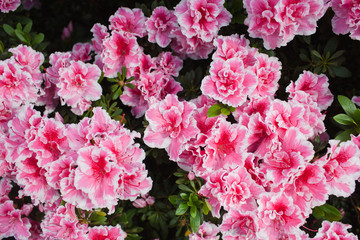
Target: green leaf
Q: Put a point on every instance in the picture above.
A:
(345, 135)
(19, 27)
(327, 212)
(113, 80)
(357, 115)
(131, 236)
(317, 69)
(341, 71)
(316, 54)
(114, 87)
(123, 72)
(184, 196)
(130, 79)
(117, 112)
(337, 54)
(195, 223)
(225, 111)
(185, 188)
(28, 27)
(178, 174)
(232, 109)
(304, 57)
(214, 110)
(9, 30)
(331, 45)
(183, 207)
(205, 209)
(193, 211)
(348, 106)
(307, 39)
(38, 39)
(20, 35)
(117, 94)
(1, 47)
(174, 199)
(344, 119)
(129, 85)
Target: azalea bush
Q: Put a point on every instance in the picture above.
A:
(196, 119)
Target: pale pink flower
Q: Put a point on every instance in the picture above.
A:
(106, 232)
(317, 86)
(346, 18)
(9, 5)
(149, 88)
(5, 187)
(206, 230)
(235, 47)
(128, 20)
(57, 61)
(60, 169)
(160, 25)
(168, 64)
(238, 225)
(100, 32)
(229, 82)
(342, 167)
(278, 216)
(97, 175)
(268, 71)
(12, 223)
(81, 52)
(66, 32)
(120, 49)
(356, 100)
(170, 125)
(334, 230)
(139, 203)
(78, 86)
(202, 18)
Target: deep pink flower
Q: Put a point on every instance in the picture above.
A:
(128, 20)
(106, 233)
(346, 17)
(78, 86)
(9, 5)
(170, 125)
(229, 82)
(317, 86)
(160, 25)
(120, 49)
(334, 230)
(206, 230)
(168, 64)
(57, 61)
(100, 32)
(202, 18)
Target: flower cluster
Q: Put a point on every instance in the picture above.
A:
(347, 18)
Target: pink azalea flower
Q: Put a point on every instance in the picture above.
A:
(238, 225)
(128, 20)
(97, 175)
(48, 141)
(66, 32)
(16, 85)
(57, 61)
(81, 52)
(106, 232)
(100, 32)
(267, 69)
(235, 47)
(334, 230)
(9, 5)
(168, 64)
(170, 125)
(12, 223)
(194, 48)
(278, 216)
(206, 230)
(341, 167)
(78, 86)
(229, 82)
(29, 4)
(226, 146)
(356, 100)
(346, 18)
(202, 18)
(160, 25)
(150, 87)
(32, 179)
(317, 86)
(120, 49)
